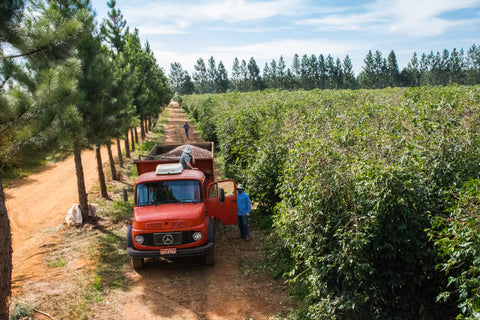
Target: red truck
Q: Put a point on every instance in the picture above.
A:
(175, 209)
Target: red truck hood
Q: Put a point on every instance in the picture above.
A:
(169, 216)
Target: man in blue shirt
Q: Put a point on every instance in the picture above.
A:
(186, 126)
(244, 208)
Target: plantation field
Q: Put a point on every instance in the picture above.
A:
(373, 195)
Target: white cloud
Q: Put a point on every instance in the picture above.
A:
(416, 18)
(160, 30)
(230, 11)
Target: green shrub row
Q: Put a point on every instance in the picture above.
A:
(373, 192)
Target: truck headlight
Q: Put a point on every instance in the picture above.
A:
(197, 236)
(139, 239)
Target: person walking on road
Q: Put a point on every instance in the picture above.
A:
(186, 127)
(244, 208)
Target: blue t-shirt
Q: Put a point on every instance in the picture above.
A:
(243, 203)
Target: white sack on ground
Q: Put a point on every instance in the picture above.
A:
(74, 215)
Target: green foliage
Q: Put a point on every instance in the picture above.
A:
(355, 180)
(457, 237)
(145, 146)
(119, 210)
(21, 311)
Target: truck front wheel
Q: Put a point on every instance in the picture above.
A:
(137, 263)
(210, 257)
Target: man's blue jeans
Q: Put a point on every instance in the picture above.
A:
(243, 225)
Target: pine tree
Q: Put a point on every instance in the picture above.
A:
(176, 77)
(295, 69)
(267, 76)
(273, 74)
(367, 78)
(95, 83)
(115, 30)
(457, 67)
(281, 73)
(349, 81)
(393, 79)
(304, 73)
(473, 65)
(254, 75)
(244, 76)
(331, 72)
(314, 72)
(413, 75)
(425, 73)
(236, 74)
(200, 76)
(35, 106)
(380, 70)
(222, 78)
(212, 76)
(338, 74)
(322, 71)
(187, 84)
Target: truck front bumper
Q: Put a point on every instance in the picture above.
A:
(186, 252)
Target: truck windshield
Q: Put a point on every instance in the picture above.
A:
(159, 192)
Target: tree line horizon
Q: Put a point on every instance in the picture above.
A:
(326, 72)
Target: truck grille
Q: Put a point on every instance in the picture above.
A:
(168, 238)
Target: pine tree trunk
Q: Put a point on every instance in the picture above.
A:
(136, 135)
(101, 175)
(119, 151)
(133, 138)
(5, 258)
(112, 162)
(142, 128)
(149, 124)
(127, 146)
(82, 193)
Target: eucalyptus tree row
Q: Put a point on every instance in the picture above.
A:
(67, 85)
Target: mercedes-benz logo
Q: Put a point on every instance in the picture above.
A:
(167, 239)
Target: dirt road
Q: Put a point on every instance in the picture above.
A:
(37, 206)
(184, 289)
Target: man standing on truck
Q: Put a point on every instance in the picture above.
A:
(244, 208)
(186, 159)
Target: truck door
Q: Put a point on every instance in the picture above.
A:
(222, 201)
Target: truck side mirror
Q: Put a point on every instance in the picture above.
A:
(221, 195)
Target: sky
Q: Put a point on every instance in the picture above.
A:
(184, 31)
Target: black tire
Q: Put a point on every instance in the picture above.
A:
(210, 257)
(129, 237)
(137, 263)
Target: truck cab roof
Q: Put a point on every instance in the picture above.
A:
(186, 174)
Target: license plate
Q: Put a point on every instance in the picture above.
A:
(168, 251)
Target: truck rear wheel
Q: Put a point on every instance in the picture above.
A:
(210, 257)
(137, 263)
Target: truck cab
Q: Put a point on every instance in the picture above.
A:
(176, 209)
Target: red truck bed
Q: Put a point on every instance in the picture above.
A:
(160, 154)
